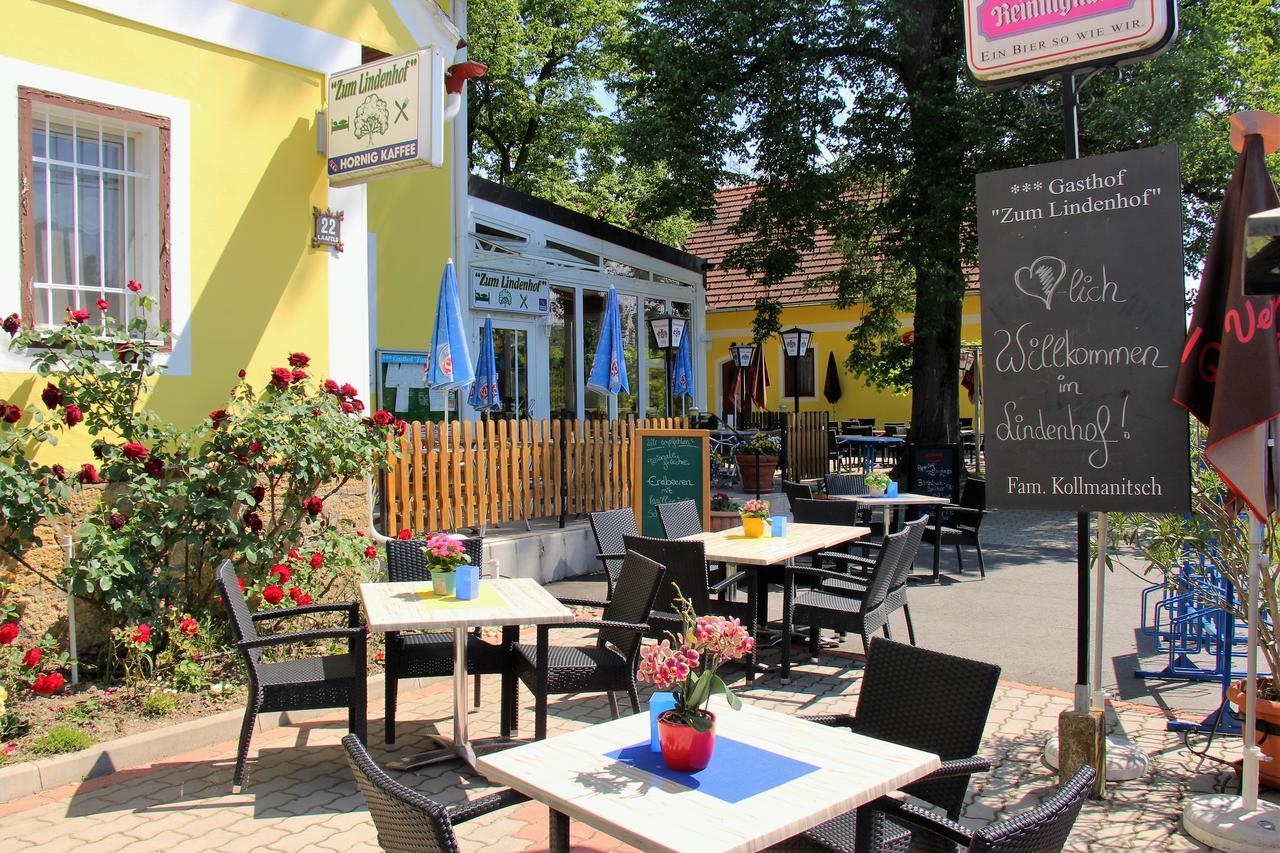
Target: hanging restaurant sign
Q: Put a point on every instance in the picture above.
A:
(386, 116)
(1007, 41)
(504, 291)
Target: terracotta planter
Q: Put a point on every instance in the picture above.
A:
(723, 520)
(763, 469)
(684, 748)
(1268, 712)
(752, 528)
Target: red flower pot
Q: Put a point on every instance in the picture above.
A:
(684, 748)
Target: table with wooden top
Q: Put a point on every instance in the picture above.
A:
(889, 503)
(412, 606)
(733, 547)
(771, 776)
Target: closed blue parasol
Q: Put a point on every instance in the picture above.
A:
(609, 370)
(682, 381)
(484, 396)
(448, 362)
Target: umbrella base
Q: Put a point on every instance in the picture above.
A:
(1221, 822)
(1125, 761)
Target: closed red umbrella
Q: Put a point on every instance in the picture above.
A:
(831, 386)
(758, 377)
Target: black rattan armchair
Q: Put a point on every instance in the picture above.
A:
(608, 528)
(679, 519)
(858, 569)
(958, 524)
(895, 680)
(608, 665)
(331, 681)
(796, 491)
(846, 484)
(686, 565)
(429, 654)
(1043, 829)
(408, 822)
(848, 513)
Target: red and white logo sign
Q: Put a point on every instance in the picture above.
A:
(1007, 40)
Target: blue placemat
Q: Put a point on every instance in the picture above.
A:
(737, 770)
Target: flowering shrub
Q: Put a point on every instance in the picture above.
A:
(444, 554)
(760, 444)
(687, 665)
(720, 502)
(755, 509)
(28, 665)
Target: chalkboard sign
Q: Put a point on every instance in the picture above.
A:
(669, 465)
(1082, 329)
(934, 469)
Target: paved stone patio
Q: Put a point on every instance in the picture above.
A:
(301, 794)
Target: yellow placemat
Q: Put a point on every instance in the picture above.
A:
(488, 597)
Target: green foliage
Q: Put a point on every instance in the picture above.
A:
(534, 121)
(29, 665)
(62, 738)
(189, 676)
(859, 119)
(160, 704)
(82, 712)
(760, 444)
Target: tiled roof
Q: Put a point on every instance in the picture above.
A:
(733, 289)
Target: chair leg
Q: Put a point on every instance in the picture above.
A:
(242, 754)
(389, 716)
(478, 701)
(815, 642)
(911, 631)
(888, 634)
(959, 558)
(937, 553)
(510, 716)
(613, 705)
(635, 699)
(982, 569)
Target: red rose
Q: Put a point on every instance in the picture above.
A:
(359, 405)
(188, 627)
(259, 494)
(281, 377)
(218, 416)
(253, 521)
(8, 633)
(348, 390)
(382, 417)
(133, 285)
(255, 447)
(59, 472)
(13, 324)
(329, 384)
(299, 375)
(313, 505)
(240, 583)
(155, 467)
(133, 450)
(125, 354)
(405, 535)
(241, 374)
(72, 415)
(32, 658)
(116, 520)
(303, 600)
(273, 594)
(299, 359)
(102, 304)
(51, 395)
(88, 474)
(347, 407)
(293, 553)
(143, 634)
(12, 414)
(295, 592)
(76, 317)
(282, 572)
(48, 684)
(371, 552)
(317, 560)
(402, 427)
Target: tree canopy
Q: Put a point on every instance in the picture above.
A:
(860, 119)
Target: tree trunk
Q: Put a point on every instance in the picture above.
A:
(935, 367)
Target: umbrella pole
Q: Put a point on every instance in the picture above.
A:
(444, 438)
(1249, 770)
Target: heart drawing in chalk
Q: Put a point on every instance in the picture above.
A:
(1041, 278)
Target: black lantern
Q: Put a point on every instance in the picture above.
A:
(668, 331)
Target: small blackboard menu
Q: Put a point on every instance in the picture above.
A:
(934, 469)
(1082, 329)
(669, 465)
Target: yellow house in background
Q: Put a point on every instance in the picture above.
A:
(731, 295)
(178, 143)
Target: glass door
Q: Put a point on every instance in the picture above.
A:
(513, 341)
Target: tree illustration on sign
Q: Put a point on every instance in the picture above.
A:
(371, 117)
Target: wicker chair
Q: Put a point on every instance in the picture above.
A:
(847, 513)
(796, 491)
(889, 708)
(332, 681)
(607, 666)
(1043, 829)
(862, 612)
(686, 565)
(429, 654)
(958, 524)
(408, 822)
(858, 570)
(679, 519)
(609, 528)
(846, 484)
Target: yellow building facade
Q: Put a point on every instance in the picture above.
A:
(177, 143)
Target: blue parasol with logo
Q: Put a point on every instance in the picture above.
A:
(609, 370)
(682, 380)
(484, 395)
(448, 362)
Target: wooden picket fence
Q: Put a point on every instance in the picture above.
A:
(486, 473)
(807, 443)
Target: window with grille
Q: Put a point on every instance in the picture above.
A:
(94, 208)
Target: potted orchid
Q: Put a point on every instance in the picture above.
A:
(444, 554)
(687, 666)
(877, 483)
(753, 515)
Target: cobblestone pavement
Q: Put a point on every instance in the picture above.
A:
(301, 795)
